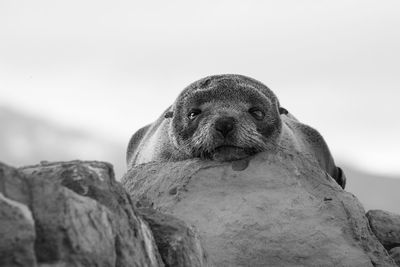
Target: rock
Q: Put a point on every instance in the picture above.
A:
(96, 181)
(17, 230)
(395, 254)
(386, 227)
(81, 217)
(17, 234)
(14, 185)
(178, 244)
(280, 210)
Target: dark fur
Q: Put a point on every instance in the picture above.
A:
(174, 136)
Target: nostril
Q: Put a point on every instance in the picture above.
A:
(224, 125)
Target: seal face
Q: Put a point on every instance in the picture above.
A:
(225, 118)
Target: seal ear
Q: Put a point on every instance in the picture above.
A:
(283, 111)
(168, 114)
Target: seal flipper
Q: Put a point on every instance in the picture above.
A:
(340, 177)
(283, 111)
(134, 142)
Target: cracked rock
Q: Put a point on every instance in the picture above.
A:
(70, 214)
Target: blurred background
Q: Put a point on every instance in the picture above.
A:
(78, 78)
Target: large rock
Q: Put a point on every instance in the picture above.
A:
(386, 227)
(78, 215)
(281, 210)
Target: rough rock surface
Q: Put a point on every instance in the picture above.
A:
(17, 234)
(178, 244)
(395, 254)
(17, 229)
(386, 227)
(70, 214)
(280, 210)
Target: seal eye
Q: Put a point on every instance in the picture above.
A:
(257, 113)
(193, 113)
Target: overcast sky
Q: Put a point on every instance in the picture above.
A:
(111, 67)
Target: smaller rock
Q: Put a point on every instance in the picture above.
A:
(395, 254)
(97, 215)
(178, 244)
(14, 184)
(386, 227)
(17, 234)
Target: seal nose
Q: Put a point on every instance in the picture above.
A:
(225, 125)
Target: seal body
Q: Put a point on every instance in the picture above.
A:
(226, 118)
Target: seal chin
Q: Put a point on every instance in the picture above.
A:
(229, 153)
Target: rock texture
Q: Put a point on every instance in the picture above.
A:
(178, 244)
(276, 210)
(386, 227)
(17, 227)
(17, 234)
(70, 214)
(395, 254)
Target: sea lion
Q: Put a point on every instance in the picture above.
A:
(227, 118)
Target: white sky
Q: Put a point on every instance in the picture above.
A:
(114, 66)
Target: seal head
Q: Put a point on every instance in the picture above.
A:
(224, 118)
